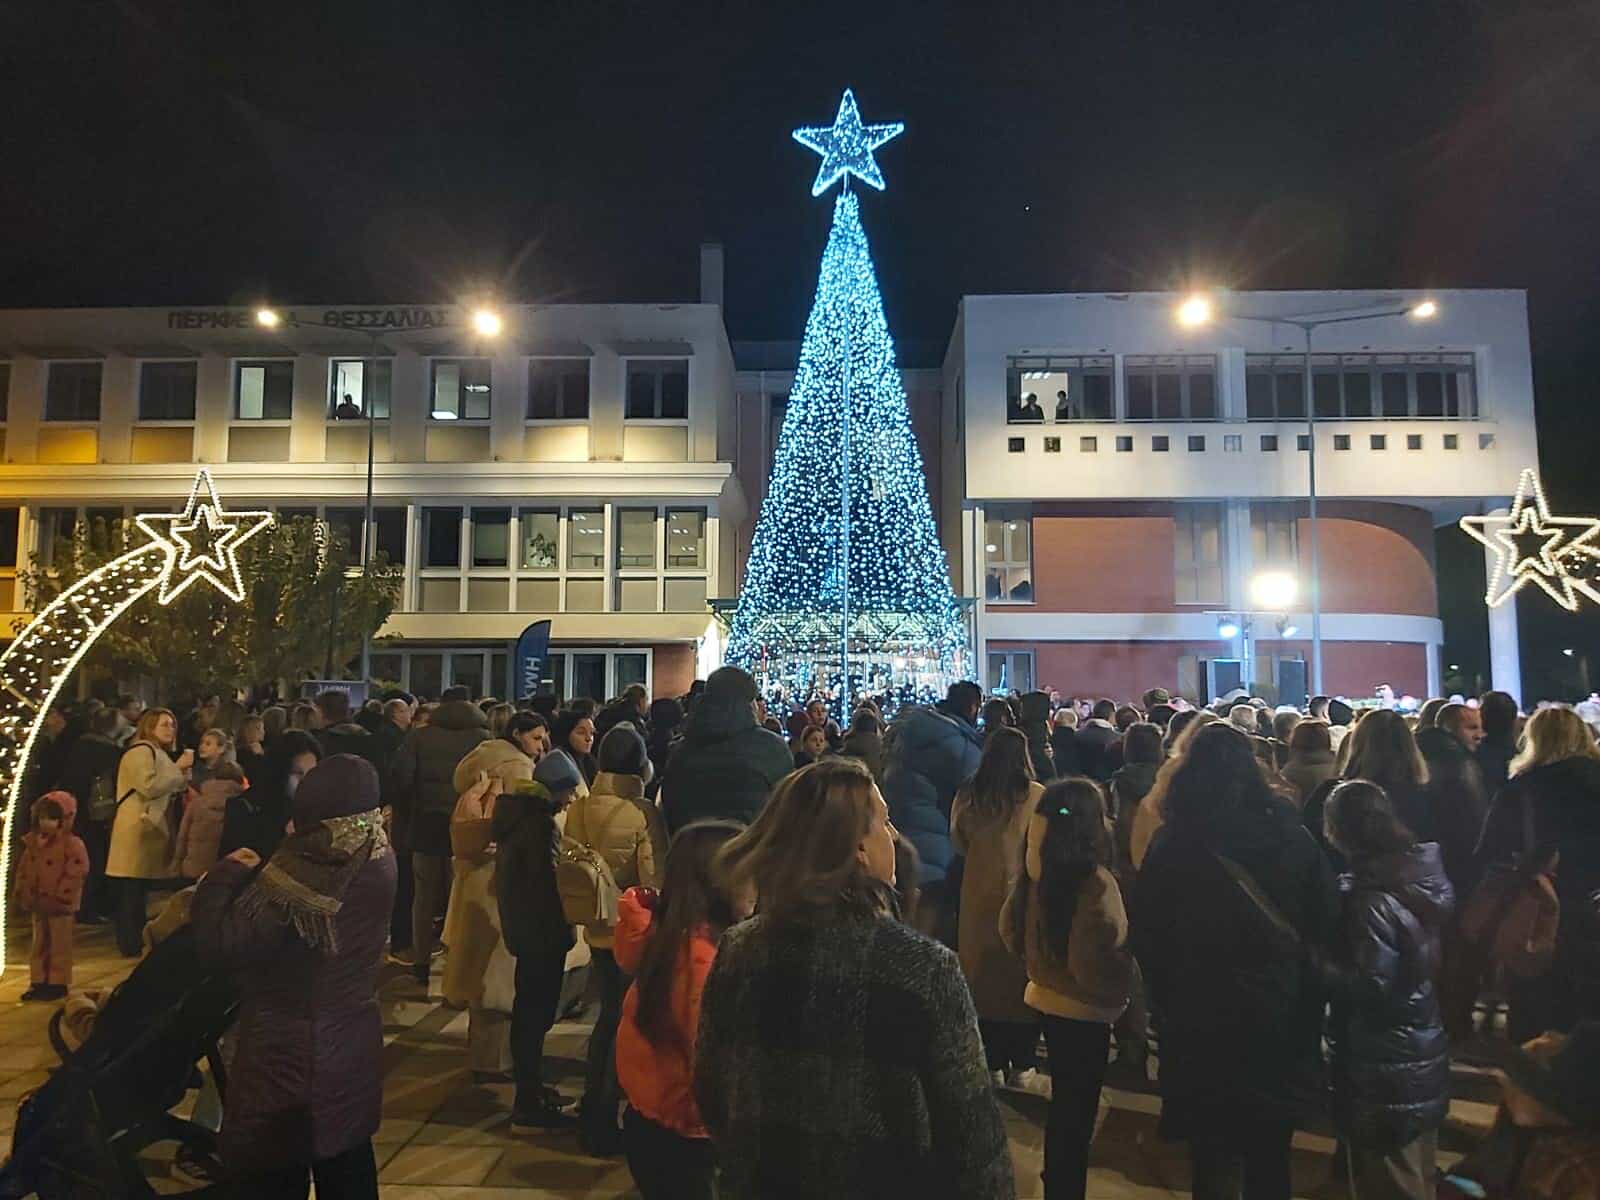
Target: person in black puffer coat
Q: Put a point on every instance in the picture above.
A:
(928, 754)
(1391, 1062)
(1035, 723)
(726, 765)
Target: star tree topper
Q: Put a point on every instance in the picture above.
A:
(1557, 553)
(846, 146)
(202, 542)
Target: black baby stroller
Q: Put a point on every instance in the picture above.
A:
(80, 1134)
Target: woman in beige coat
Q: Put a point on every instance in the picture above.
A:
(150, 786)
(988, 824)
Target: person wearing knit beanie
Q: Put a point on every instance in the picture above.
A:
(622, 752)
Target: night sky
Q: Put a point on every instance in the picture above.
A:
(165, 153)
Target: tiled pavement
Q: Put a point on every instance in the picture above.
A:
(446, 1138)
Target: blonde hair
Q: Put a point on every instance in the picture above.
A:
(1551, 735)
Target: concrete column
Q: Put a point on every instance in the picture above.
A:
(118, 388)
(1238, 556)
(308, 424)
(607, 385)
(1435, 677)
(213, 407)
(24, 409)
(508, 393)
(1505, 659)
(409, 405)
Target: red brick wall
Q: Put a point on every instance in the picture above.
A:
(672, 669)
(1375, 558)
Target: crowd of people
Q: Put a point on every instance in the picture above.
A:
(820, 950)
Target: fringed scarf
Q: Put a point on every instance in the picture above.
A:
(304, 883)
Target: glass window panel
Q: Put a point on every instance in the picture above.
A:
(585, 595)
(658, 389)
(641, 393)
(538, 595)
(1141, 397)
(556, 684)
(439, 595)
(1325, 395)
(1202, 396)
(1430, 394)
(1258, 401)
(441, 537)
(1357, 393)
(1289, 387)
(1396, 393)
(686, 538)
(1462, 392)
(1169, 396)
(346, 524)
(347, 390)
(446, 391)
(589, 677)
(466, 670)
(575, 391)
(72, 392)
(630, 669)
(1019, 585)
(427, 675)
(636, 537)
(499, 673)
(391, 523)
(461, 389)
(8, 536)
(291, 512)
(491, 532)
(636, 595)
(1097, 400)
(265, 391)
(167, 391)
(675, 392)
(558, 389)
(686, 595)
(56, 527)
(544, 391)
(586, 539)
(540, 531)
(488, 595)
(1019, 536)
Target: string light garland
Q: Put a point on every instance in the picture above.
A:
(846, 576)
(1559, 554)
(200, 543)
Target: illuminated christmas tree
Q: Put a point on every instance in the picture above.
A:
(846, 574)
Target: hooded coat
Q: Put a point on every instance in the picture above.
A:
(528, 839)
(1391, 1061)
(928, 754)
(422, 777)
(52, 870)
(200, 833)
(726, 765)
(992, 844)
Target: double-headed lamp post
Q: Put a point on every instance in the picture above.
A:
(483, 321)
(1200, 310)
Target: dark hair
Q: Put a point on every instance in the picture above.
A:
(522, 722)
(1499, 717)
(1075, 843)
(692, 895)
(1180, 721)
(286, 747)
(997, 714)
(1311, 734)
(1219, 773)
(582, 706)
(1383, 750)
(335, 706)
(1103, 710)
(104, 721)
(561, 733)
(455, 693)
(1360, 822)
(1142, 743)
(1004, 772)
(45, 806)
(865, 720)
(1428, 714)
(963, 694)
(1125, 717)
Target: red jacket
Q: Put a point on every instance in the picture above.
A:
(51, 874)
(659, 1080)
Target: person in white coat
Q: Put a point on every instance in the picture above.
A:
(150, 786)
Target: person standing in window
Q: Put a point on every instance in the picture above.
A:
(1063, 406)
(348, 409)
(1030, 413)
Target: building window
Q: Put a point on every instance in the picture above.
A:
(658, 389)
(1413, 441)
(1378, 441)
(1173, 387)
(1052, 445)
(1362, 386)
(586, 539)
(541, 539)
(596, 674)
(347, 390)
(441, 537)
(1159, 443)
(167, 390)
(1197, 444)
(1232, 442)
(9, 524)
(1197, 554)
(1274, 536)
(1088, 445)
(1014, 445)
(1485, 441)
(558, 389)
(1341, 441)
(636, 538)
(1124, 445)
(1269, 442)
(263, 391)
(460, 389)
(1452, 441)
(5, 389)
(1059, 388)
(1008, 557)
(686, 539)
(1010, 671)
(1302, 441)
(72, 392)
(491, 537)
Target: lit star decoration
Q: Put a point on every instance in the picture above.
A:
(203, 541)
(1531, 546)
(34, 668)
(846, 146)
(847, 448)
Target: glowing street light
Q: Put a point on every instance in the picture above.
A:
(487, 323)
(1274, 591)
(1195, 312)
(1425, 310)
(268, 318)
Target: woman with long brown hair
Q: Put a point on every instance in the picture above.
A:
(988, 821)
(1382, 750)
(824, 1013)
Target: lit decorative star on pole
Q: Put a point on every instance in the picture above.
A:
(846, 146)
(202, 542)
(1531, 546)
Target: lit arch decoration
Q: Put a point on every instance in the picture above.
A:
(199, 543)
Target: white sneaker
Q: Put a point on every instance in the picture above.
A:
(1029, 1081)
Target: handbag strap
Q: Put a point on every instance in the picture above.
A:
(133, 790)
(1258, 896)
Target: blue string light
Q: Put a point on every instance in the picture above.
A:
(846, 146)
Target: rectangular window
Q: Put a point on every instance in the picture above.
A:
(72, 392)
(1058, 388)
(636, 538)
(540, 533)
(1015, 445)
(56, 529)
(491, 534)
(1052, 445)
(1274, 536)
(558, 389)
(1379, 441)
(263, 391)
(460, 389)
(686, 595)
(441, 537)
(1196, 443)
(1362, 386)
(348, 390)
(1159, 443)
(1232, 442)
(1197, 554)
(1124, 445)
(586, 539)
(8, 536)
(1010, 671)
(167, 390)
(391, 537)
(1269, 442)
(686, 538)
(1088, 445)
(1172, 387)
(1008, 557)
(5, 389)
(1341, 441)
(658, 389)
(346, 524)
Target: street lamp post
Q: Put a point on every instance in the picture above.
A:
(1196, 311)
(484, 321)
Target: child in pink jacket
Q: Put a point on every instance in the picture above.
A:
(49, 886)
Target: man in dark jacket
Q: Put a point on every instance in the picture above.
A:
(1095, 738)
(339, 734)
(1457, 798)
(1499, 745)
(928, 754)
(632, 707)
(535, 928)
(90, 774)
(726, 765)
(423, 794)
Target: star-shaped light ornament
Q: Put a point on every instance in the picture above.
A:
(202, 542)
(846, 146)
(1531, 546)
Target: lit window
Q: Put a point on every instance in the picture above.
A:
(636, 538)
(586, 539)
(491, 537)
(686, 538)
(1362, 386)
(540, 532)
(264, 391)
(1058, 389)
(1010, 671)
(1008, 557)
(347, 388)
(460, 389)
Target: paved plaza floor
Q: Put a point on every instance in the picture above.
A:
(445, 1137)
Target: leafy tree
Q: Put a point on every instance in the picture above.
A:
(300, 595)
